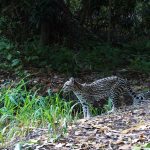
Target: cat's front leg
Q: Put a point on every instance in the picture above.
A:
(86, 111)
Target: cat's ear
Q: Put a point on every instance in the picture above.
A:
(72, 80)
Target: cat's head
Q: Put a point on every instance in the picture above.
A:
(69, 85)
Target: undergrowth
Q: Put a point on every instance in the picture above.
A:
(91, 57)
(22, 110)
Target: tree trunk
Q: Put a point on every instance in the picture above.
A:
(45, 33)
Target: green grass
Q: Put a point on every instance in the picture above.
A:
(22, 110)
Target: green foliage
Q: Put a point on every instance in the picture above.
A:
(56, 57)
(22, 110)
(64, 59)
(99, 57)
(139, 57)
(75, 5)
(108, 106)
(140, 46)
(95, 56)
(10, 57)
(141, 65)
(3, 23)
(145, 146)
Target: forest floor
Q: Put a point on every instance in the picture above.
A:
(126, 129)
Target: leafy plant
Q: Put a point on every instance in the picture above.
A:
(141, 64)
(22, 110)
(10, 57)
(144, 146)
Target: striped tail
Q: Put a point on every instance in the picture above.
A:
(137, 98)
(140, 97)
(145, 95)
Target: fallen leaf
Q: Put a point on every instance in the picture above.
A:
(59, 145)
(118, 142)
(69, 144)
(78, 133)
(125, 147)
(137, 127)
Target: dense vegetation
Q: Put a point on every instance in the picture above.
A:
(22, 111)
(69, 36)
(74, 35)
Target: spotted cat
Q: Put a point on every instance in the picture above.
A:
(109, 87)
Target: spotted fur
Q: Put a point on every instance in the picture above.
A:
(111, 87)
